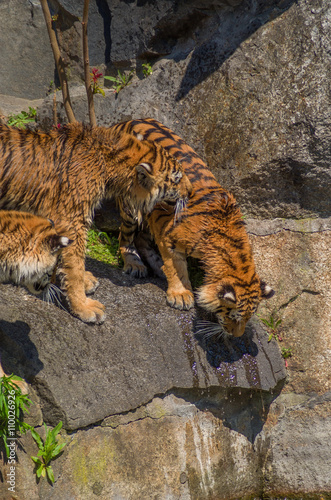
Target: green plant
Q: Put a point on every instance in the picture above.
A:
(101, 246)
(13, 404)
(286, 352)
(22, 118)
(48, 450)
(121, 80)
(147, 69)
(272, 324)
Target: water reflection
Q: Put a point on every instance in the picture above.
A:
(219, 347)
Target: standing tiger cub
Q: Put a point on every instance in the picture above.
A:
(211, 229)
(29, 249)
(65, 174)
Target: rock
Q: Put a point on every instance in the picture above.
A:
(84, 374)
(26, 57)
(250, 100)
(297, 432)
(14, 105)
(150, 421)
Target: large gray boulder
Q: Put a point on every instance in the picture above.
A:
(253, 102)
(84, 374)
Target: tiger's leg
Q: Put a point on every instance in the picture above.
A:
(179, 293)
(90, 282)
(133, 264)
(143, 243)
(73, 281)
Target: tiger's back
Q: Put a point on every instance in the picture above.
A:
(65, 175)
(210, 229)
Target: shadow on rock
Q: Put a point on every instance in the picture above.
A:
(209, 56)
(19, 354)
(221, 348)
(118, 277)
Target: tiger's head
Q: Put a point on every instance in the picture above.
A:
(37, 277)
(161, 177)
(30, 248)
(233, 304)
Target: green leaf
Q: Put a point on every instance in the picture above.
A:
(270, 337)
(36, 460)
(37, 438)
(57, 429)
(58, 449)
(50, 474)
(40, 471)
(111, 78)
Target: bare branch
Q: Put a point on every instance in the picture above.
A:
(89, 92)
(59, 63)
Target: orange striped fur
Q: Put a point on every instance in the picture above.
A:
(65, 175)
(29, 249)
(210, 229)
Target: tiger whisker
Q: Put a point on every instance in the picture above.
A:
(209, 330)
(52, 295)
(179, 208)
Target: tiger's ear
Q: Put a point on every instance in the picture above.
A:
(144, 174)
(57, 242)
(228, 294)
(267, 291)
(139, 136)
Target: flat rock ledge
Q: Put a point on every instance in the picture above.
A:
(86, 373)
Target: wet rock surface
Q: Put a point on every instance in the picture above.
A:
(84, 373)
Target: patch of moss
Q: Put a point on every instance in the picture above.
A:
(103, 247)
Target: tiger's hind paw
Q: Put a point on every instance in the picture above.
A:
(183, 301)
(90, 282)
(91, 311)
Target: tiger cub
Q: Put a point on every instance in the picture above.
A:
(29, 249)
(210, 229)
(65, 174)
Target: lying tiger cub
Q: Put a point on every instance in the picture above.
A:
(210, 229)
(65, 175)
(29, 249)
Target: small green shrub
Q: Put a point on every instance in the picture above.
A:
(13, 404)
(272, 324)
(22, 118)
(121, 80)
(147, 69)
(48, 451)
(286, 352)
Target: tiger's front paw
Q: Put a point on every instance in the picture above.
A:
(91, 311)
(90, 282)
(134, 266)
(183, 300)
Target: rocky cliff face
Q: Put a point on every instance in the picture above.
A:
(149, 413)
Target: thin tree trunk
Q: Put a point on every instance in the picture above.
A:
(54, 109)
(58, 62)
(89, 92)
